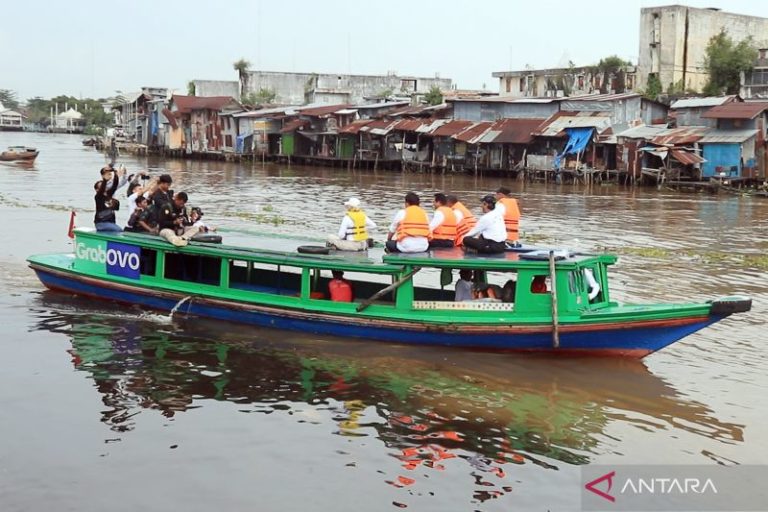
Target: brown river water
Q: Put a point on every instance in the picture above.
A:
(107, 407)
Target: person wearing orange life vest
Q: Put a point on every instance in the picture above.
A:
(339, 289)
(465, 220)
(410, 228)
(353, 232)
(442, 227)
(510, 211)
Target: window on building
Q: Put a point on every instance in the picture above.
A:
(762, 53)
(509, 84)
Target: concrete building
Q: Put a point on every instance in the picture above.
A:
(301, 88)
(755, 83)
(217, 88)
(560, 82)
(674, 38)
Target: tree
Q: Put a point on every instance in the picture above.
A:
(726, 60)
(613, 67)
(191, 88)
(241, 66)
(434, 96)
(653, 87)
(262, 97)
(8, 99)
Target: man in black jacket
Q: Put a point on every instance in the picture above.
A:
(106, 204)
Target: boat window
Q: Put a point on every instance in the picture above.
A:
(190, 267)
(440, 286)
(148, 262)
(540, 283)
(363, 285)
(264, 277)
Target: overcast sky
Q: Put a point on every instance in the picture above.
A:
(91, 49)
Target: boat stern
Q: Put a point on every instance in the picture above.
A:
(725, 306)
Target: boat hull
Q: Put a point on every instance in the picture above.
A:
(18, 157)
(631, 339)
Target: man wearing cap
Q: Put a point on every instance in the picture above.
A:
(353, 231)
(489, 235)
(409, 228)
(510, 212)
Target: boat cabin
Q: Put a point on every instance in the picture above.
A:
(394, 285)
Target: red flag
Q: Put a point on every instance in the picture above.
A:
(71, 232)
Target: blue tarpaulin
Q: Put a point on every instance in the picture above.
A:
(578, 138)
(239, 143)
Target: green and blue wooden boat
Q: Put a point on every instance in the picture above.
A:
(400, 297)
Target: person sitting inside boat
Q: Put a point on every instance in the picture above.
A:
(106, 204)
(339, 289)
(464, 286)
(484, 292)
(508, 291)
(353, 232)
(539, 284)
(196, 220)
(489, 235)
(465, 220)
(442, 228)
(409, 228)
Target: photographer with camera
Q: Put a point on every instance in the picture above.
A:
(106, 204)
(141, 185)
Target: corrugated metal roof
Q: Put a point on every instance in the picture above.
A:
(430, 127)
(506, 99)
(346, 111)
(737, 110)
(451, 128)
(686, 157)
(727, 136)
(556, 125)
(711, 101)
(474, 133)
(603, 97)
(682, 135)
(409, 125)
(354, 127)
(642, 132)
(292, 126)
(511, 131)
(321, 111)
(185, 104)
(379, 127)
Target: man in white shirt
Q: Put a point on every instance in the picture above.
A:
(490, 234)
(354, 229)
(410, 228)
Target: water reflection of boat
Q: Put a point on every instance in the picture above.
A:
(502, 410)
(19, 154)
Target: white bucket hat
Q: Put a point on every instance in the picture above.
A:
(353, 203)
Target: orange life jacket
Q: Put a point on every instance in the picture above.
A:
(511, 218)
(415, 223)
(340, 290)
(466, 224)
(446, 230)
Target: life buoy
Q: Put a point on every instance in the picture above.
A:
(313, 249)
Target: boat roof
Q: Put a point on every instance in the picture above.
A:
(360, 261)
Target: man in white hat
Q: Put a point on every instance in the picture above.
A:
(353, 232)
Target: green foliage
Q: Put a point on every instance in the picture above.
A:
(434, 96)
(726, 60)
(191, 88)
(653, 88)
(386, 93)
(8, 99)
(262, 97)
(241, 66)
(612, 64)
(39, 110)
